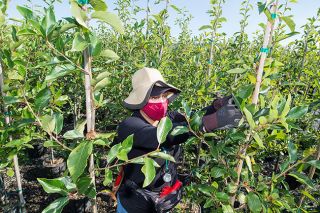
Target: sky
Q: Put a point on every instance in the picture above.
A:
(301, 10)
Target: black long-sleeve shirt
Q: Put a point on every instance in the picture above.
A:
(145, 141)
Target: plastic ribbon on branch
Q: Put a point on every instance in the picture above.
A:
(82, 2)
(264, 50)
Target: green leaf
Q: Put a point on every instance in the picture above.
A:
(237, 136)
(196, 120)
(101, 84)
(290, 23)
(163, 156)
(25, 32)
(42, 99)
(77, 132)
(138, 160)
(50, 20)
(77, 160)
(10, 172)
(245, 91)
(109, 18)
(67, 27)
(100, 77)
(179, 130)
(292, 149)
(2, 18)
(205, 27)
(48, 123)
(79, 43)
(164, 127)
(106, 135)
(222, 197)
(58, 117)
(206, 189)
(249, 118)
(227, 209)
(148, 170)
(315, 163)
(73, 134)
(57, 205)
(95, 45)
(53, 185)
(186, 108)
(307, 194)
(76, 12)
(98, 5)
(241, 198)
(263, 120)
(11, 100)
(80, 125)
(113, 153)
(68, 184)
(297, 112)
(261, 7)
(302, 179)
(254, 202)
(285, 36)
(15, 143)
(25, 12)
(286, 108)
(191, 140)
(232, 188)
(110, 55)
(126, 146)
(107, 177)
(85, 186)
(101, 142)
(217, 172)
(60, 71)
(50, 144)
(258, 140)
(284, 165)
(209, 202)
(175, 8)
(237, 71)
(37, 25)
(248, 162)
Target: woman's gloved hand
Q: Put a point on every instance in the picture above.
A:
(226, 115)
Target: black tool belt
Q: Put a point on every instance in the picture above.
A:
(162, 204)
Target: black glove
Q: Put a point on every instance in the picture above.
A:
(226, 115)
(216, 105)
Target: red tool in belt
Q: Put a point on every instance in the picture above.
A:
(168, 189)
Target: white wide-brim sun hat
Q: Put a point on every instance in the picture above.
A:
(143, 82)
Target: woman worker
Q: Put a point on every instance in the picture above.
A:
(149, 101)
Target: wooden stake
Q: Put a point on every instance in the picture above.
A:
(255, 96)
(213, 34)
(90, 115)
(15, 157)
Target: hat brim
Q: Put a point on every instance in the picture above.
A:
(134, 100)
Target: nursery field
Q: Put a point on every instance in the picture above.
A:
(63, 82)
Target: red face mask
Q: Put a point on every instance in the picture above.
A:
(157, 110)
